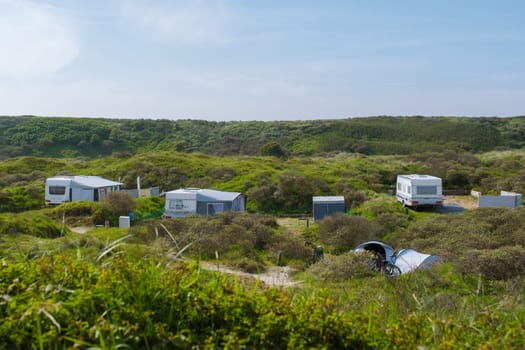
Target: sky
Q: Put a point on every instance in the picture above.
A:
(226, 60)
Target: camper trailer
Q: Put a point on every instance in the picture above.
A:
(63, 189)
(195, 201)
(419, 190)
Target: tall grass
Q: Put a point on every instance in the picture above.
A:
(62, 301)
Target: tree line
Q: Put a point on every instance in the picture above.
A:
(75, 137)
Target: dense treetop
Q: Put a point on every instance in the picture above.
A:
(71, 137)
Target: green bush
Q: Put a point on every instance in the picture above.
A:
(149, 208)
(65, 302)
(341, 267)
(17, 199)
(391, 222)
(273, 149)
(502, 263)
(62, 302)
(80, 208)
(486, 240)
(116, 204)
(30, 223)
(292, 249)
(341, 232)
(353, 197)
(377, 205)
(233, 236)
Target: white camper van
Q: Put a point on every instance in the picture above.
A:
(63, 189)
(419, 190)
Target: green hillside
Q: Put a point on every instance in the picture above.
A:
(273, 185)
(68, 282)
(73, 137)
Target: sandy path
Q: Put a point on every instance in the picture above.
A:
(274, 276)
(467, 202)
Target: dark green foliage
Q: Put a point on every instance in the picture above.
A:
(30, 223)
(149, 208)
(264, 195)
(292, 249)
(69, 137)
(137, 296)
(291, 194)
(80, 208)
(273, 149)
(487, 241)
(341, 267)
(74, 213)
(272, 185)
(111, 208)
(353, 197)
(19, 199)
(235, 237)
(341, 232)
(61, 302)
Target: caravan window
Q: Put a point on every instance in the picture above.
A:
(177, 204)
(426, 190)
(57, 189)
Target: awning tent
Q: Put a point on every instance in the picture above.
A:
(409, 260)
(377, 247)
(406, 260)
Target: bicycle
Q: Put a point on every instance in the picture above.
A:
(388, 268)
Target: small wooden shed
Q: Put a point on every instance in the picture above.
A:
(327, 205)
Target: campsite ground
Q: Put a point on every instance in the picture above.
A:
(275, 276)
(466, 202)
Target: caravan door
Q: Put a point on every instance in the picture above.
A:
(86, 194)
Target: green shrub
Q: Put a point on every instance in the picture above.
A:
(17, 199)
(74, 210)
(390, 222)
(341, 232)
(341, 267)
(116, 204)
(486, 240)
(233, 236)
(502, 263)
(61, 302)
(292, 249)
(273, 149)
(261, 226)
(353, 197)
(380, 204)
(32, 223)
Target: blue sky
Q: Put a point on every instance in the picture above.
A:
(262, 60)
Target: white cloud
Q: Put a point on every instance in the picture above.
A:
(183, 22)
(36, 41)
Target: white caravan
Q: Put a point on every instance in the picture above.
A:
(192, 201)
(63, 189)
(419, 190)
